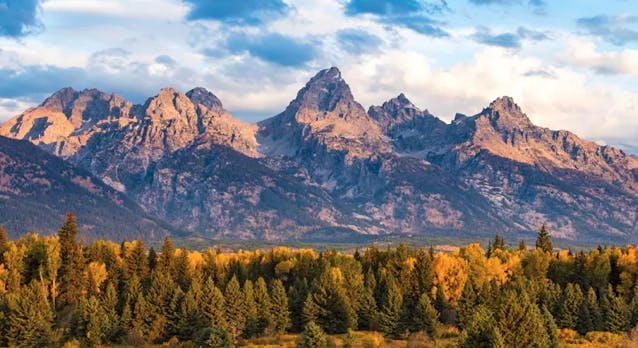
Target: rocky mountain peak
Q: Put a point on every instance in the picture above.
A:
(170, 104)
(204, 97)
(60, 100)
(324, 92)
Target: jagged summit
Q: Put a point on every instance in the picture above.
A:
(202, 96)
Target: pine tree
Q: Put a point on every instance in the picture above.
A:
(213, 304)
(166, 257)
(482, 331)
(279, 311)
(71, 273)
(235, 310)
(251, 310)
(30, 318)
(297, 296)
(543, 241)
(466, 304)
(584, 323)
(522, 245)
(4, 243)
(92, 324)
(594, 310)
(214, 337)
(427, 317)
(390, 309)
(550, 327)
(109, 303)
(443, 307)
(312, 337)
(616, 314)
(499, 242)
(264, 307)
(192, 317)
(328, 305)
(368, 311)
(152, 259)
(570, 306)
(137, 261)
(520, 322)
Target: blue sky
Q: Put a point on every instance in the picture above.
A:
(570, 64)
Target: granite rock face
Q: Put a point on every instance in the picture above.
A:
(325, 166)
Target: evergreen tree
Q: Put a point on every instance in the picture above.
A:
(4, 243)
(482, 331)
(30, 318)
(109, 303)
(137, 261)
(368, 311)
(213, 304)
(520, 322)
(192, 317)
(584, 323)
(550, 327)
(570, 306)
(71, 273)
(329, 306)
(166, 257)
(593, 308)
(235, 310)
(159, 298)
(616, 314)
(152, 259)
(499, 242)
(312, 337)
(252, 319)
(214, 337)
(92, 324)
(522, 245)
(280, 315)
(390, 309)
(297, 296)
(446, 314)
(264, 306)
(466, 304)
(427, 317)
(543, 241)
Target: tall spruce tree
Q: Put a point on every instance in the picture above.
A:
(280, 315)
(543, 240)
(29, 318)
(213, 304)
(312, 337)
(550, 327)
(482, 331)
(427, 318)
(329, 306)
(390, 309)
(252, 318)
(570, 306)
(4, 243)
(616, 314)
(72, 265)
(520, 322)
(235, 309)
(264, 307)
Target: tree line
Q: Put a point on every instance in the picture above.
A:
(54, 289)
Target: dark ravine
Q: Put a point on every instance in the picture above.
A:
(326, 166)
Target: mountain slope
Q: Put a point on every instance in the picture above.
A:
(37, 189)
(531, 175)
(326, 167)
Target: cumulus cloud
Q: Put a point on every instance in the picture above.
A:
(274, 48)
(537, 5)
(584, 54)
(509, 39)
(412, 14)
(19, 18)
(249, 12)
(358, 41)
(618, 30)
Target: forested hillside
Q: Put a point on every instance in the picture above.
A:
(55, 291)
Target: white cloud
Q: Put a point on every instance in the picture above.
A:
(584, 54)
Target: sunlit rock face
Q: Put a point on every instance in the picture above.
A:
(326, 167)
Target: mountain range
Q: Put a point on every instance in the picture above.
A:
(325, 167)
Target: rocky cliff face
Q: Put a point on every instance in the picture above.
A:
(326, 166)
(37, 189)
(531, 174)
